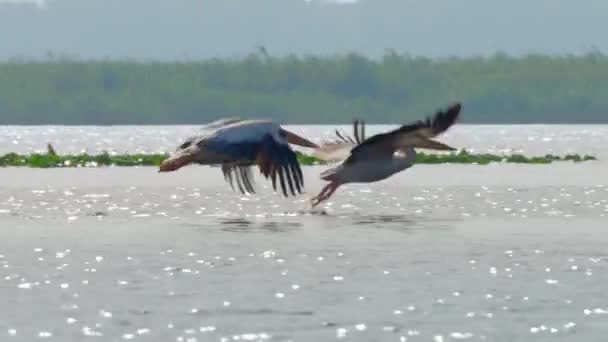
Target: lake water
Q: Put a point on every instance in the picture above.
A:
(501, 252)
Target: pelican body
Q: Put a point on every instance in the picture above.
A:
(382, 155)
(237, 145)
(346, 173)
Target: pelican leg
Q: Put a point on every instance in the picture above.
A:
(334, 187)
(327, 191)
(323, 191)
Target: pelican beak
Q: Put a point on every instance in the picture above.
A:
(295, 139)
(177, 161)
(430, 144)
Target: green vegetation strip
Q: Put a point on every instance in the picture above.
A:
(105, 159)
(395, 88)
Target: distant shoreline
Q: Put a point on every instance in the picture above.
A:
(534, 89)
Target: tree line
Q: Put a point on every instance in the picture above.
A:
(305, 89)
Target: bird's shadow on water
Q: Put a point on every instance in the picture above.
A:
(244, 225)
(241, 225)
(252, 312)
(401, 222)
(383, 218)
(301, 220)
(283, 222)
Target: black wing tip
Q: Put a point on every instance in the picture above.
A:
(453, 111)
(239, 174)
(359, 130)
(445, 119)
(286, 174)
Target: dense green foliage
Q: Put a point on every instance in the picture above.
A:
(393, 89)
(84, 160)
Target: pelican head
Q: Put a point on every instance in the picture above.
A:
(180, 159)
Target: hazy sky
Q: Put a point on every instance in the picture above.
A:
(178, 29)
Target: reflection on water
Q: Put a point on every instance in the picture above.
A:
(242, 225)
(403, 223)
(248, 312)
(247, 226)
(383, 221)
(372, 219)
(408, 205)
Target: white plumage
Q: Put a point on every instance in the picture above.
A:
(252, 132)
(238, 144)
(382, 155)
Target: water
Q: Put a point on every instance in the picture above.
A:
(531, 139)
(437, 253)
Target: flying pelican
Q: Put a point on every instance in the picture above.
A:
(382, 155)
(237, 145)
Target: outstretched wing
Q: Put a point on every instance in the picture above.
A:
(340, 148)
(358, 133)
(276, 160)
(241, 175)
(220, 123)
(263, 143)
(417, 134)
(236, 145)
(207, 130)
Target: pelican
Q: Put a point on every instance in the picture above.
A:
(237, 145)
(382, 155)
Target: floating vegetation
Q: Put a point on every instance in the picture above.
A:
(464, 157)
(52, 160)
(81, 160)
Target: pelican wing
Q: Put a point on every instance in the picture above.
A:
(207, 130)
(263, 143)
(187, 143)
(333, 151)
(221, 122)
(277, 161)
(340, 148)
(239, 174)
(237, 145)
(417, 134)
